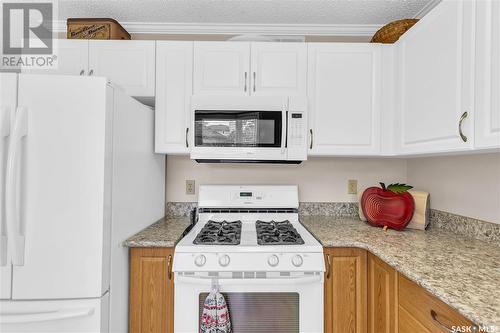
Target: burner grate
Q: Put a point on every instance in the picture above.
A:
(277, 233)
(219, 233)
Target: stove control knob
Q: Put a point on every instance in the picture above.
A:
(224, 260)
(297, 260)
(273, 260)
(200, 260)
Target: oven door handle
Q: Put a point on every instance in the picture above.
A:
(256, 281)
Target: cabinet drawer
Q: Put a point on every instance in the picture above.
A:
(419, 304)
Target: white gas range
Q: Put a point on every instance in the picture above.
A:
(248, 240)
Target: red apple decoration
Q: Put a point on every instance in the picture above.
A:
(388, 207)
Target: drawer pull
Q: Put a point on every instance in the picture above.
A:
(462, 118)
(328, 266)
(311, 145)
(435, 318)
(169, 267)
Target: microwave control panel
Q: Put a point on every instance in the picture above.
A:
(297, 135)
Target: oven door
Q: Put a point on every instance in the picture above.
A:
(264, 305)
(239, 131)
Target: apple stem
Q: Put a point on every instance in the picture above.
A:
(385, 228)
(383, 186)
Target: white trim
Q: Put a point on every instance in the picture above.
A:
(427, 8)
(237, 29)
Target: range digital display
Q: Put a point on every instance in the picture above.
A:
(245, 194)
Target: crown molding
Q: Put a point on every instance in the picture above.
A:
(238, 29)
(426, 9)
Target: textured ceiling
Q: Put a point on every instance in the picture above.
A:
(245, 11)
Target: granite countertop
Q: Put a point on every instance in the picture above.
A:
(462, 272)
(164, 233)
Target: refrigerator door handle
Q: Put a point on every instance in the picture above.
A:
(29, 317)
(4, 133)
(16, 240)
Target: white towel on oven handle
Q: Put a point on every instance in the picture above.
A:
(215, 314)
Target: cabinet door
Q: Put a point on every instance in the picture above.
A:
(278, 69)
(72, 58)
(382, 296)
(436, 83)
(221, 68)
(151, 290)
(128, 63)
(418, 308)
(345, 290)
(174, 69)
(344, 99)
(487, 125)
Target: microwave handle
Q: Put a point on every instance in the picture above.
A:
(284, 131)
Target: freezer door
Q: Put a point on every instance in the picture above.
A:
(8, 100)
(63, 197)
(87, 315)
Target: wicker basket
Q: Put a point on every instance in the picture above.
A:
(391, 32)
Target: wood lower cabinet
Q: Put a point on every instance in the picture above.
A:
(382, 297)
(345, 290)
(420, 311)
(151, 290)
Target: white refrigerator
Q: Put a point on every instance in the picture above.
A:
(77, 177)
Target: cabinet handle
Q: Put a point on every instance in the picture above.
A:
(169, 267)
(246, 75)
(311, 145)
(328, 266)
(91, 72)
(435, 318)
(187, 141)
(82, 72)
(254, 75)
(462, 118)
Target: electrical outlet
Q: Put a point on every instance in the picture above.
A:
(352, 186)
(190, 187)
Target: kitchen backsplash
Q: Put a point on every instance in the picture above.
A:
(466, 226)
(337, 209)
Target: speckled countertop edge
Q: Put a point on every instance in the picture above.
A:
(163, 233)
(462, 272)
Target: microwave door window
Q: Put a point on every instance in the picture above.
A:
(238, 129)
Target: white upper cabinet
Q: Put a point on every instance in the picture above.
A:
(72, 58)
(174, 71)
(435, 81)
(221, 68)
(243, 68)
(344, 99)
(278, 69)
(487, 118)
(128, 63)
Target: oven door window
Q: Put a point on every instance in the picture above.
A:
(264, 312)
(238, 128)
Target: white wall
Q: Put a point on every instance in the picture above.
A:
(319, 179)
(464, 185)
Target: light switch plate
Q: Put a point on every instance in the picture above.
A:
(352, 186)
(190, 187)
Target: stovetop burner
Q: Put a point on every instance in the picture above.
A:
(219, 233)
(277, 233)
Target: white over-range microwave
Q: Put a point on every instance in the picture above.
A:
(253, 129)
